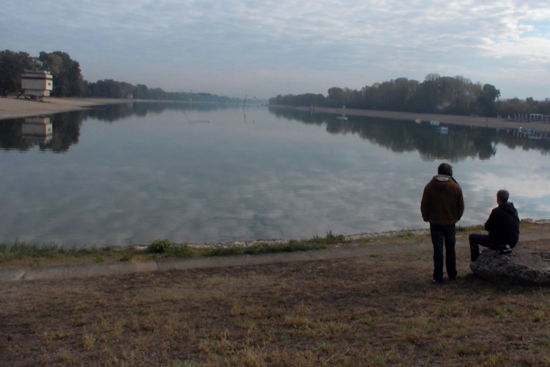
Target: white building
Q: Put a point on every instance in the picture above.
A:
(37, 84)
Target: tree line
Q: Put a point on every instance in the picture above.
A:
(68, 80)
(436, 94)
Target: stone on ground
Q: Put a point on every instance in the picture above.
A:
(520, 267)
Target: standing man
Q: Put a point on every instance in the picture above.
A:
(503, 227)
(443, 205)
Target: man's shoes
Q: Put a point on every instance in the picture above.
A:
(435, 281)
(453, 278)
(505, 249)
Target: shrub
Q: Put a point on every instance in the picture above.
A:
(127, 256)
(332, 239)
(180, 251)
(159, 246)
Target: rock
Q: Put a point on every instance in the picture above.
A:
(520, 267)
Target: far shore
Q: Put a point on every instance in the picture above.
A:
(486, 122)
(17, 108)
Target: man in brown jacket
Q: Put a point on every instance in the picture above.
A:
(443, 205)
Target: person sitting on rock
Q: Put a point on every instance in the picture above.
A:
(503, 228)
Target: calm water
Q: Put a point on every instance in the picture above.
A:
(130, 174)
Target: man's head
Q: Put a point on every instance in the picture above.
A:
(502, 196)
(445, 169)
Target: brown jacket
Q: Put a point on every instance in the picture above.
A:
(442, 201)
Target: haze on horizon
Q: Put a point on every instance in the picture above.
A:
(238, 48)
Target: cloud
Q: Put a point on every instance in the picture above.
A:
(377, 39)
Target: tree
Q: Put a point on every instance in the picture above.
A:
(67, 77)
(486, 100)
(12, 66)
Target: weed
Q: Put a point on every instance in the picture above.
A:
(127, 256)
(99, 259)
(444, 311)
(180, 251)
(159, 246)
(332, 239)
(475, 228)
(406, 234)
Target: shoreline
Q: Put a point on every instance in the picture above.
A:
(11, 108)
(480, 122)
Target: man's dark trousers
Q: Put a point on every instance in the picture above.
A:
(483, 240)
(443, 234)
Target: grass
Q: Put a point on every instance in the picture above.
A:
(24, 254)
(366, 311)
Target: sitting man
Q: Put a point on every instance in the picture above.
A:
(503, 228)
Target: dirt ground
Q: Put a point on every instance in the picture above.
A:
(377, 310)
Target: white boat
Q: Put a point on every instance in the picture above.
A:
(343, 117)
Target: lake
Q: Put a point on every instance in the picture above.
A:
(132, 173)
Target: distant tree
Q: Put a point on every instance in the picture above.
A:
(336, 95)
(67, 77)
(141, 92)
(12, 66)
(486, 100)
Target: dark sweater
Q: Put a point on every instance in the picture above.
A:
(503, 225)
(442, 201)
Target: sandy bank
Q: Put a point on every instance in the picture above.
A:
(15, 108)
(488, 122)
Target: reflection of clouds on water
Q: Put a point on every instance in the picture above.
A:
(525, 174)
(274, 179)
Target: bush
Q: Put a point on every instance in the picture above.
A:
(180, 251)
(159, 246)
(333, 239)
(127, 256)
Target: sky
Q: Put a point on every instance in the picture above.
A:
(265, 48)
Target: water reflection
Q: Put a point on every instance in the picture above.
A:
(205, 173)
(37, 130)
(452, 143)
(64, 128)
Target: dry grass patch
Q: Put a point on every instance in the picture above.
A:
(368, 311)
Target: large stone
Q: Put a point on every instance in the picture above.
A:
(520, 267)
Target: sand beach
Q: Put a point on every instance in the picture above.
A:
(15, 108)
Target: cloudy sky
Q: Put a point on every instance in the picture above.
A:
(264, 48)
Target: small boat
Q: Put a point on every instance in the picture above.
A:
(343, 117)
(418, 121)
(434, 123)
